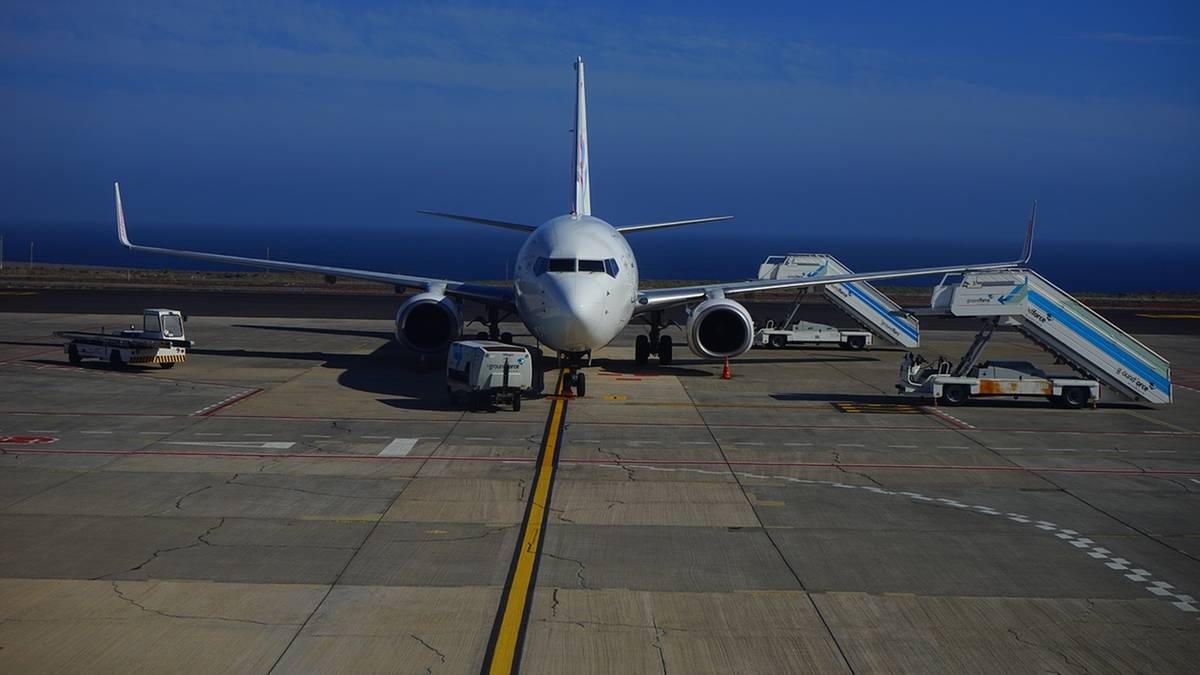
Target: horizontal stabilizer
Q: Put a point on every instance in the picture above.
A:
(673, 223)
(482, 221)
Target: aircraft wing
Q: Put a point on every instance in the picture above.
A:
(491, 295)
(662, 298)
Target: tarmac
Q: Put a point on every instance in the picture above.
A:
(299, 496)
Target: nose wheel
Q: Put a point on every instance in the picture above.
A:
(577, 381)
(654, 343)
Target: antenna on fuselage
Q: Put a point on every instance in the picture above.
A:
(581, 199)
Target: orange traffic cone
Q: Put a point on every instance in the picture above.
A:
(726, 374)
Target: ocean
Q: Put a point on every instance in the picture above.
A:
(709, 252)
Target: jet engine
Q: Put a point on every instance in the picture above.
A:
(719, 328)
(428, 322)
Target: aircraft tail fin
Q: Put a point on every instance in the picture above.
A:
(581, 198)
(1027, 250)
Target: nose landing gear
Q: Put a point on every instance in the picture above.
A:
(575, 377)
(654, 343)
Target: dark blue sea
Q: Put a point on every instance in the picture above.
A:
(470, 252)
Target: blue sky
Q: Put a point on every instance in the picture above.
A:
(929, 119)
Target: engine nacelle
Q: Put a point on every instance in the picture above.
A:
(718, 328)
(428, 322)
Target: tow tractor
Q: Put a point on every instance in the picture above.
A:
(160, 341)
(484, 372)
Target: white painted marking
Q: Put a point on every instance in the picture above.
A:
(267, 445)
(693, 442)
(798, 444)
(207, 433)
(314, 436)
(953, 447)
(1194, 481)
(851, 445)
(1000, 448)
(398, 447)
(154, 433)
(902, 446)
(478, 438)
(748, 443)
(1161, 452)
(1061, 450)
(260, 435)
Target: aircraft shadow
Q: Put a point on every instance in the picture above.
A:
(382, 335)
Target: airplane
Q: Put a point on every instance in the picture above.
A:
(576, 284)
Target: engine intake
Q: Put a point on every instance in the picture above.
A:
(719, 328)
(428, 322)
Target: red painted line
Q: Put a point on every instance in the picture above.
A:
(630, 379)
(208, 412)
(31, 354)
(606, 462)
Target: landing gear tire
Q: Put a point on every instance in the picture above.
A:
(664, 350)
(580, 384)
(641, 350)
(73, 355)
(778, 341)
(1074, 397)
(955, 394)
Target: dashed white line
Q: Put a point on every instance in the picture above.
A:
(902, 446)
(798, 444)
(207, 433)
(478, 438)
(1194, 481)
(748, 443)
(851, 445)
(260, 435)
(1061, 450)
(267, 445)
(398, 447)
(1002, 448)
(1161, 452)
(314, 436)
(153, 433)
(953, 447)
(1180, 601)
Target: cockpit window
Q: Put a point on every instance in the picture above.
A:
(562, 265)
(610, 266)
(591, 265)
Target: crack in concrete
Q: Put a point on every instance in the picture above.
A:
(558, 513)
(200, 540)
(426, 645)
(1060, 654)
(117, 590)
(554, 601)
(837, 462)
(658, 646)
(179, 502)
(620, 462)
(578, 573)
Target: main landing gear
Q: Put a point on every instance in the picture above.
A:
(493, 325)
(654, 343)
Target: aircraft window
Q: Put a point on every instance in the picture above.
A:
(775, 260)
(562, 265)
(611, 267)
(539, 266)
(591, 266)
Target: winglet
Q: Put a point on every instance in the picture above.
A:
(122, 234)
(1027, 250)
(581, 199)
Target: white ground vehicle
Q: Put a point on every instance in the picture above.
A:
(486, 372)
(993, 378)
(806, 332)
(161, 341)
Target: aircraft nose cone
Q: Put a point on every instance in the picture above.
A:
(579, 322)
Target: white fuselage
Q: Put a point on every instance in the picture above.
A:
(576, 283)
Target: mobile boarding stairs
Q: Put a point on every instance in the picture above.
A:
(859, 300)
(1079, 337)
